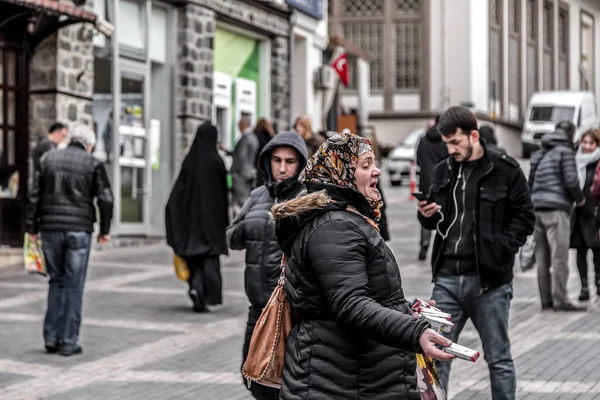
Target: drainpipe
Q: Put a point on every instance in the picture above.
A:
(293, 20)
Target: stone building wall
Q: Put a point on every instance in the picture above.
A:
(195, 39)
(193, 93)
(62, 80)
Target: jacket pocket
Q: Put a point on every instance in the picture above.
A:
(492, 203)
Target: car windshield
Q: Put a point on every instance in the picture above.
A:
(551, 113)
(412, 138)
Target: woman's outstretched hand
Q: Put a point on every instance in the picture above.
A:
(429, 338)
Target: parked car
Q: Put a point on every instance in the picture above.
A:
(547, 108)
(403, 156)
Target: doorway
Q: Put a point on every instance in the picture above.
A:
(14, 143)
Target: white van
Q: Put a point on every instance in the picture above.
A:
(547, 108)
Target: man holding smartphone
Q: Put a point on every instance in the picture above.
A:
(480, 207)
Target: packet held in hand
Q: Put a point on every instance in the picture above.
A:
(462, 352)
(35, 263)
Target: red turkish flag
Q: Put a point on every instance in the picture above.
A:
(340, 65)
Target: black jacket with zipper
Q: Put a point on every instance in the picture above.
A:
(63, 192)
(503, 215)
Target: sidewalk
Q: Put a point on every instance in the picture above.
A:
(141, 340)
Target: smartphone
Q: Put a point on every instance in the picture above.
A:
(421, 197)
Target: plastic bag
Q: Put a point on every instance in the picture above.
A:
(35, 263)
(427, 379)
(181, 269)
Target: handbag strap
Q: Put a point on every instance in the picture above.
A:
(283, 264)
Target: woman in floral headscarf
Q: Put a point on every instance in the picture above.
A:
(357, 337)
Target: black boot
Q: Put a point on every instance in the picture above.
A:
(585, 290)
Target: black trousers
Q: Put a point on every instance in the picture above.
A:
(259, 392)
(582, 266)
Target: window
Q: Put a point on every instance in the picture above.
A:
(408, 54)
(532, 45)
(552, 113)
(495, 55)
(548, 60)
(408, 6)
(587, 53)
(361, 8)
(563, 49)
(368, 37)
(514, 55)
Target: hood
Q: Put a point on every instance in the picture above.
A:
(557, 138)
(318, 198)
(433, 134)
(290, 139)
(292, 215)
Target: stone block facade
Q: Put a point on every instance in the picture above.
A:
(193, 94)
(195, 48)
(62, 79)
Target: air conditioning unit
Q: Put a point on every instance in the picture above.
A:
(324, 77)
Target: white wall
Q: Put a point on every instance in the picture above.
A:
(311, 40)
(479, 54)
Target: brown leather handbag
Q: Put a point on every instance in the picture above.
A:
(264, 364)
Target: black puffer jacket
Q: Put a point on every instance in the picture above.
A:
(63, 191)
(356, 337)
(553, 177)
(253, 229)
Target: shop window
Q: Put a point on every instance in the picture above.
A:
(132, 26)
(158, 35)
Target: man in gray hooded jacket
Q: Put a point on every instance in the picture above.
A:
(253, 229)
(554, 190)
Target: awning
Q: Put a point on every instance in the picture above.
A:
(54, 8)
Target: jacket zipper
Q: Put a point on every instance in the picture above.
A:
(462, 220)
(476, 228)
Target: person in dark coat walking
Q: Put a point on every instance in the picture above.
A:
(584, 225)
(56, 135)
(489, 136)
(253, 230)
(196, 217)
(554, 187)
(264, 132)
(430, 151)
(356, 337)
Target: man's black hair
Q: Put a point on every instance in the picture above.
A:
(437, 119)
(57, 126)
(457, 117)
(486, 132)
(568, 127)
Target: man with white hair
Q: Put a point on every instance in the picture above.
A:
(61, 207)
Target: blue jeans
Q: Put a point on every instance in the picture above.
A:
(66, 255)
(461, 297)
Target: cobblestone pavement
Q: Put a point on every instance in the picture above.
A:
(142, 341)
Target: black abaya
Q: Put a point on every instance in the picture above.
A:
(196, 213)
(197, 217)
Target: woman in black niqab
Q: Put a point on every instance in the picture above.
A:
(197, 217)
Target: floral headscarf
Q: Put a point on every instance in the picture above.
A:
(335, 164)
